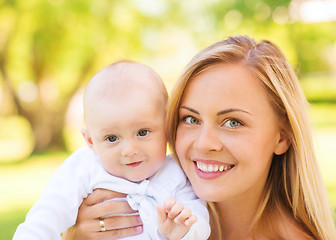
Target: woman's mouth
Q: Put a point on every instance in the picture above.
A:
(211, 170)
(212, 167)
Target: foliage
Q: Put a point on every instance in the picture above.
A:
(320, 88)
(49, 49)
(15, 139)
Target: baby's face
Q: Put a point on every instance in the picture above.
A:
(128, 134)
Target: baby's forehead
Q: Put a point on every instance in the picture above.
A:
(129, 74)
(120, 80)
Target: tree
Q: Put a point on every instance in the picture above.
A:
(49, 50)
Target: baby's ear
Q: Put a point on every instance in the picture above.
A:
(87, 137)
(283, 143)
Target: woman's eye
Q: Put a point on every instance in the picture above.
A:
(112, 138)
(191, 120)
(143, 133)
(232, 123)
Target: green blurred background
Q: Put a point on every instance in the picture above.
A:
(49, 49)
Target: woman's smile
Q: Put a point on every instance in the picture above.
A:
(208, 169)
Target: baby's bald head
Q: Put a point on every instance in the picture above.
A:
(120, 80)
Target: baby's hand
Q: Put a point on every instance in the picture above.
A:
(174, 220)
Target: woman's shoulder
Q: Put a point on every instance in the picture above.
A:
(292, 229)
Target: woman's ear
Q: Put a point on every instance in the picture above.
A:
(87, 138)
(283, 143)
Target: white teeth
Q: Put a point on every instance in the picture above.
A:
(212, 167)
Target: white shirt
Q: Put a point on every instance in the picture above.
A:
(82, 172)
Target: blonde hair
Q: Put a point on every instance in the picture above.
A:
(294, 183)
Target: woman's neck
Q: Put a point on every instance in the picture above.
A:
(236, 218)
(236, 214)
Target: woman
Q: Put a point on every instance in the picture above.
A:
(237, 123)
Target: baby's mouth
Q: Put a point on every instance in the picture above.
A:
(134, 164)
(212, 167)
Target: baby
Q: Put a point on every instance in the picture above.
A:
(124, 110)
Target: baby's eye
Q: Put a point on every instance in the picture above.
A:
(232, 123)
(191, 120)
(112, 138)
(143, 132)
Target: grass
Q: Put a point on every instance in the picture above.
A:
(9, 220)
(21, 184)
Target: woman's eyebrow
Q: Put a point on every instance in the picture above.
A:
(232, 110)
(190, 109)
(220, 112)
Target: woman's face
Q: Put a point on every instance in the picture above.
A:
(227, 134)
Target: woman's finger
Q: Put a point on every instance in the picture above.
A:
(83, 232)
(113, 223)
(118, 233)
(117, 225)
(99, 204)
(107, 208)
(99, 195)
(115, 228)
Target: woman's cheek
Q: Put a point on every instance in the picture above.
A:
(179, 143)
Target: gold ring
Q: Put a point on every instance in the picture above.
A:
(102, 225)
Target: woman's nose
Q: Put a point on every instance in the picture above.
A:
(129, 148)
(208, 139)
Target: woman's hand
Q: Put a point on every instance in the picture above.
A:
(94, 208)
